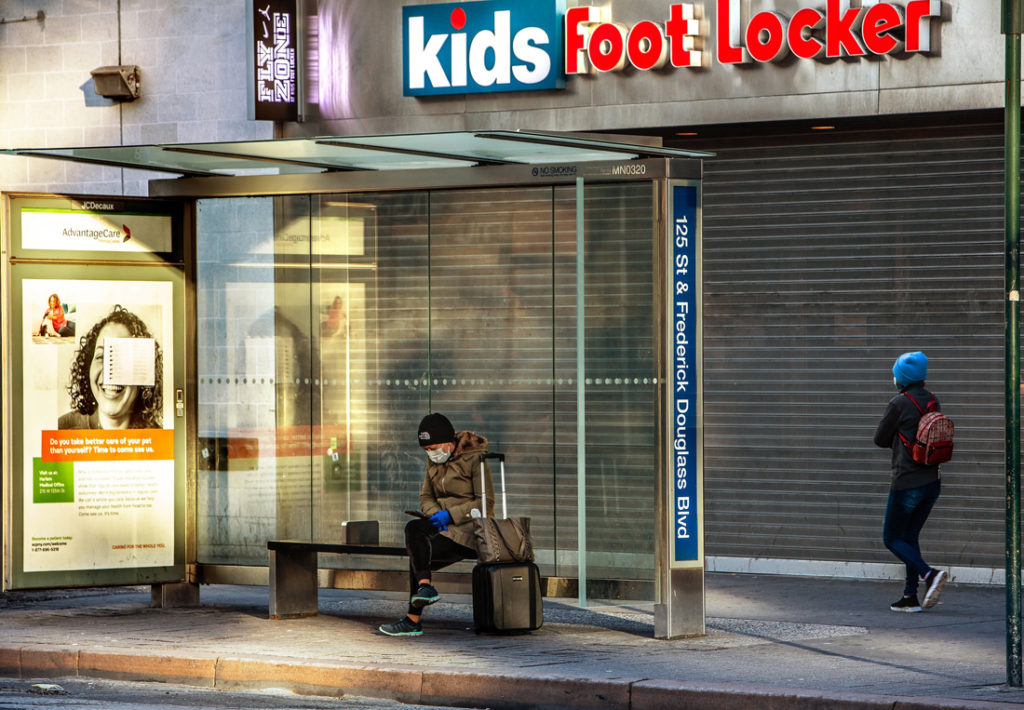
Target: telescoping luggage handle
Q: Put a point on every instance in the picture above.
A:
(483, 483)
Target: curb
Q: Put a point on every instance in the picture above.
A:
(411, 684)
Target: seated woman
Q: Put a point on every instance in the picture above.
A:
(58, 319)
(450, 493)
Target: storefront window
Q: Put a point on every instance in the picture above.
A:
(330, 324)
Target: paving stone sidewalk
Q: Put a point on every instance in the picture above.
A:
(777, 642)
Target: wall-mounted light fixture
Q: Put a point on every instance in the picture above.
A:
(118, 82)
(38, 17)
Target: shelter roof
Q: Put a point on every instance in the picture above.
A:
(350, 153)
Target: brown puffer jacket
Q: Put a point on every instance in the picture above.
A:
(455, 486)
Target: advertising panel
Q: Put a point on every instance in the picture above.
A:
(68, 230)
(93, 345)
(98, 478)
(84, 229)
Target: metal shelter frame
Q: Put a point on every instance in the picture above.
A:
(472, 159)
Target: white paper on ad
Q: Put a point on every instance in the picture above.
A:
(129, 361)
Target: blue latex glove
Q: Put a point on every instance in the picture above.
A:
(441, 520)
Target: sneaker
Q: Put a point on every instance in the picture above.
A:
(424, 596)
(933, 582)
(403, 627)
(906, 604)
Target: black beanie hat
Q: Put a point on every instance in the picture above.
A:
(435, 429)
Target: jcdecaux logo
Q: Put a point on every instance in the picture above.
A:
(515, 45)
(484, 46)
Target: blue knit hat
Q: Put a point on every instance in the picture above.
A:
(910, 367)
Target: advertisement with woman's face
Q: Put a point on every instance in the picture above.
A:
(99, 475)
(100, 398)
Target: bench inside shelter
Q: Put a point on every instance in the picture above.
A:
(294, 568)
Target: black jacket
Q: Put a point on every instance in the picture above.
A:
(901, 416)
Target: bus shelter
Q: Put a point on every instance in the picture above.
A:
(305, 302)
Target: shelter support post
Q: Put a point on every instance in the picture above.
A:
(174, 595)
(679, 548)
(581, 400)
(1013, 19)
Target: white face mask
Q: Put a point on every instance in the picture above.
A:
(438, 455)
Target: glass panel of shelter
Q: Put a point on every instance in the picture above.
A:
(328, 325)
(253, 373)
(370, 297)
(619, 380)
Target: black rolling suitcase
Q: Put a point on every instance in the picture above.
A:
(506, 597)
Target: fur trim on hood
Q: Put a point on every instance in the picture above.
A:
(467, 442)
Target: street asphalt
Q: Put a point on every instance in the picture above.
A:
(772, 642)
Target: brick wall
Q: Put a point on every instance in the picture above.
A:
(191, 56)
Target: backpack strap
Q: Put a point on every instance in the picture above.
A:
(930, 407)
(907, 395)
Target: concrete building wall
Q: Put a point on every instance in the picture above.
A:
(963, 72)
(191, 58)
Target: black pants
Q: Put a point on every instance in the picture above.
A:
(429, 550)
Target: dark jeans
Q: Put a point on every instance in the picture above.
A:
(429, 550)
(905, 515)
(66, 331)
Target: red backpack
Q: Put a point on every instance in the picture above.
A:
(934, 440)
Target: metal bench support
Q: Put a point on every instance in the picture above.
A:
(294, 573)
(293, 583)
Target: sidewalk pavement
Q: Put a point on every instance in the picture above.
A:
(777, 643)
